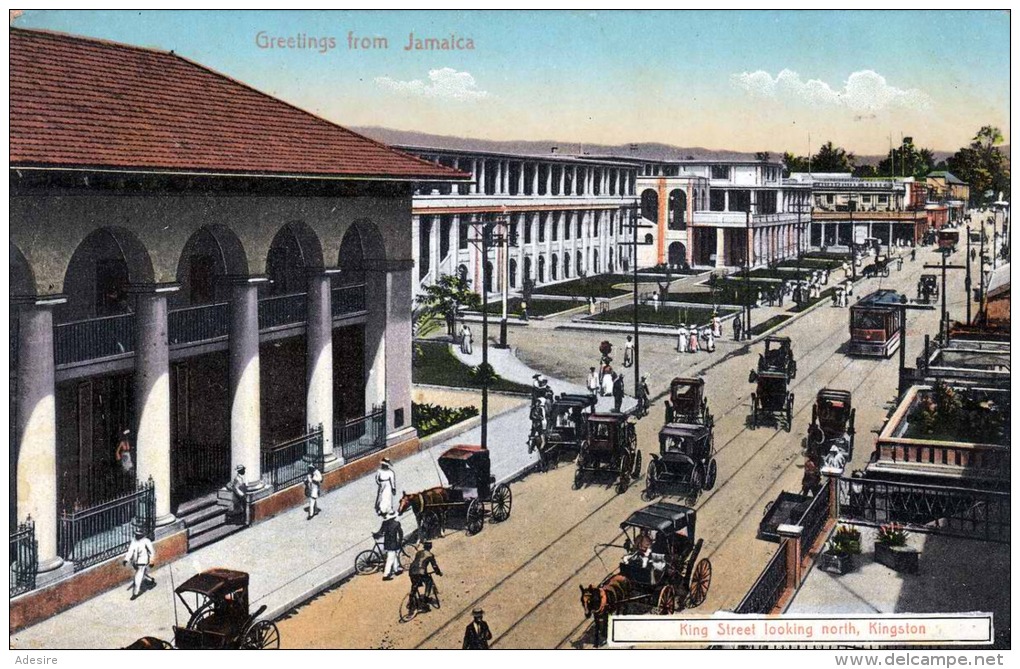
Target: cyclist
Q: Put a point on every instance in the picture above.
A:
(420, 574)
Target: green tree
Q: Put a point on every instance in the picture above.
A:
(446, 297)
(832, 158)
(792, 163)
(983, 166)
(907, 160)
(762, 156)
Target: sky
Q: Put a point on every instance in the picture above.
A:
(740, 80)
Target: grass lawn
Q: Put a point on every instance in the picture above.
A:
(826, 295)
(813, 263)
(600, 285)
(668, 316)
(769, 324)
(439, 367)
(839, 256)
(535, 307)
(676, 272)
(765, 273)
(729, 293)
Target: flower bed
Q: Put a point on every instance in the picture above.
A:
(535, 307)
(431, 418)
(600, 285)
(665, 316)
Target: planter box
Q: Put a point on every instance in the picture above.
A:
(903, 559)
(836, 564)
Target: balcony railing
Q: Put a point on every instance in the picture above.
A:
(282, 310)
(361, 436)
(287, 463)
(766, 591)
(24, 558)
(348, 300)
(201, 323)
(89, 536)
(94, 338)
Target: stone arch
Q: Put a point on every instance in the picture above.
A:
(21, 275)
(595, 261)
(677, 254)
(566, 264)
(554, 267)
(294, 249)
(649, 239)
(527, 268)
(101, 269)
(579, 266)
(677, 209)
(211, 253)
(650, 205)
(513, 272)
(541, 269)
(351, 259)
(462, 272)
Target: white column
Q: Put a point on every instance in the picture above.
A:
(548, 180)
(476, 180)
(498, 186)
(37, 430)
(726, 200)
(720, 247)
(245, 395)
(319, 359)
(375, 333)
(481, 176)
(520, 179)
(152, 398)
(563, 179)
(434, 248)
(574, 186)
(534, 179)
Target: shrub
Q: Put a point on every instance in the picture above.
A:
(850, 537)
(431, 418)
(892, 534)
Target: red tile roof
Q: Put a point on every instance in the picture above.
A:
(80, 102)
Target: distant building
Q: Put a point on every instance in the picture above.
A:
(567, 213)
(944, 187)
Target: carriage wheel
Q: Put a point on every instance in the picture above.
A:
(710, 477)
(635, 472)
(502, 501)
(649, 492)
(697, 477)
(667, 601)
(408, 609)
(367, 562)
(793, 370)
(263, 635)
(200, 614)
(475, 518)
(578, 476)
(624, 482)
(430, 526)
(405, 556)
(700, 580)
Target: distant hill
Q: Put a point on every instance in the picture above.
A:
(650, 150)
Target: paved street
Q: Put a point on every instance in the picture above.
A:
(525, 572)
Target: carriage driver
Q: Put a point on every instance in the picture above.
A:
(419, 571)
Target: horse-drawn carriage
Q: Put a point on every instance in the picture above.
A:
(470, 496)
(611, 446)
(928, 288)
(878, 268)
(686, 459)
(832, 425)
(566, 427)
(660, 573)
(778, 357)
(217, 602)
(772, 398)
(687, 402)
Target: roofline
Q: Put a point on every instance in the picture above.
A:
(565, 157)
(174, 54)
(255, 175)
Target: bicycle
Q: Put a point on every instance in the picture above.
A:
(372, 560)
(415, 602)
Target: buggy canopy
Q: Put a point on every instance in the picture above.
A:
(662, 517)
(213, 582)
(466, 466)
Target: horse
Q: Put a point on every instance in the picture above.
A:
(418, 502)
(602, 601)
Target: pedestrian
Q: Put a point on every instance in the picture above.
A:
(758, 298)
(618, 392)
(692, 344)
(913, 254)
(655, 302)
(737, 328)
(539, 416)
(681, 338)
(239, 489)
(782, 295)
(591, 305)
(463, 337)
(709, 340)
(386, 488)
(716, 324)
(642, 395)
(467, 341)
(607, 381)
(825, 277)
(593, 382)
(628, 352)
(524, 310)
(123, 454)
(477, 635)
(393, 539)
(140, 554)
(313, 484)
(811, 482)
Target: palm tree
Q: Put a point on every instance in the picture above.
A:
(446, 297)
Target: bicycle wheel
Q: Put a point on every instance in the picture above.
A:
(408, 608)
(406, 556)
(435, 595)
(368, 562)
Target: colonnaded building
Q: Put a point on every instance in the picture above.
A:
(225, 276)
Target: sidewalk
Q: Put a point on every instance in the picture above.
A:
(290, 559)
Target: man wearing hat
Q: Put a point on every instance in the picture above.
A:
(386, 483)
(140, 555)
(420, 574)
(477, 635)
(313, 483)
(393, 539)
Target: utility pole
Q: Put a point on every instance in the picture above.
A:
(505, 275)
(747, 273)
(635, 225)
(966, 282)
(944, 319)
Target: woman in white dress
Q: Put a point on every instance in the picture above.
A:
(386, 480)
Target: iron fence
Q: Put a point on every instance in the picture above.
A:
(287, 463)
(348, 300)
(766, 591)
(200, 323)
(282, 310)
(959, 512)
(814, 518)
(94, 338)
(24, 558)
(361, 436)
(89, 536)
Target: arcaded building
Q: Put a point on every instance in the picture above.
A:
(224, 277)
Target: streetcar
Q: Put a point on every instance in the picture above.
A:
(948, 239)
(875, 324)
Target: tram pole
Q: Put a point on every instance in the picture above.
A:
(966, 281)
(485, 336)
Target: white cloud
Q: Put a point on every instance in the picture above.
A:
(863, 91)
(442, 83)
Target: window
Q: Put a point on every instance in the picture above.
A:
(720, 172)
(829, 199)
(556, 226)
(463, 230)
(527, 230)
(717, 201)
(866, 199)
(541, 228)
